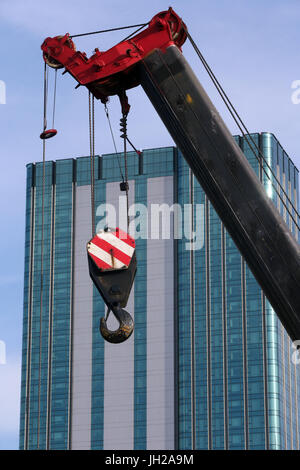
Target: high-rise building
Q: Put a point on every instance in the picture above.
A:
(209, 365)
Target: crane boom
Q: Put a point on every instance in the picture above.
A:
(154, 59)
(226, 176)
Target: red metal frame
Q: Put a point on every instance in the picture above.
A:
(111, 72)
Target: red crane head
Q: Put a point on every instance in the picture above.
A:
(111, 72)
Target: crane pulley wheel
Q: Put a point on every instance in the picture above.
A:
(176, 25)
(54, 64)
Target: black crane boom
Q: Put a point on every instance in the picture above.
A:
(226, 176)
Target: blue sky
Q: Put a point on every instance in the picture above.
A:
(252, 46)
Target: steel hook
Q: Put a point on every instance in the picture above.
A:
(126, 325)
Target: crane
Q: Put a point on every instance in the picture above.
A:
(153, 59)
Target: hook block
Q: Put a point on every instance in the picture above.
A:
(112, 265)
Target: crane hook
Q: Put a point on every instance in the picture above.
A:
(126, 326)
(112, 267)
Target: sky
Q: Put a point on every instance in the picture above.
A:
(252, 46)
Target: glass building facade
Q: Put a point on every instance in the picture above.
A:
(209, 365)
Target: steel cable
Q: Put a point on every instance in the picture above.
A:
(242, 127)
(42, 249)
(92, 156)
(108, 30)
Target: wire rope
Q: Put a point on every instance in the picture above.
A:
(246, 134)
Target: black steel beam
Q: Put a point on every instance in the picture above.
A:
(239, 198)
